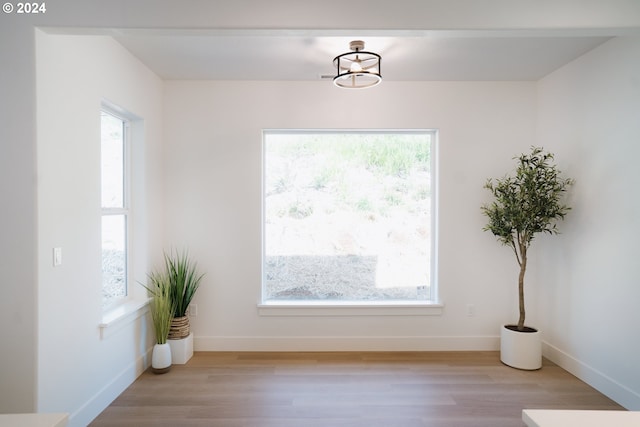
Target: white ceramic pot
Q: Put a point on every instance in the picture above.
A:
(161, 358)
(521, 350)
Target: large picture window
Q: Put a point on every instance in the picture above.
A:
(115, 207)
(348, 216)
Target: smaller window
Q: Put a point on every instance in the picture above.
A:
(115, 207)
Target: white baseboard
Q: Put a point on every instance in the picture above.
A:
(97, 403)
(596, 379)
(305, 343)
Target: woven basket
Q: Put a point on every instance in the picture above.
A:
(179, 328)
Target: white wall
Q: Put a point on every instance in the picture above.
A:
(589, 114)
(213, 134)
(78, 371)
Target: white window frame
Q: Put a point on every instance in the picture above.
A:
(136, 302)
(125, 210)
(430, 307)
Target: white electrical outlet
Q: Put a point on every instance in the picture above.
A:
(471, 310)
(193, 310)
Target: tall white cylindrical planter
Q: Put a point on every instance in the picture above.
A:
(521, 350)
(161, 358)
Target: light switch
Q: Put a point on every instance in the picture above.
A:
(57, 257)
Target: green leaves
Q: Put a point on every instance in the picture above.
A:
(184, 280)
(524, 205)
(527, 203)
(162, 306)
(172, 289)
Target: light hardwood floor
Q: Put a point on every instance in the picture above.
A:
(351, 389)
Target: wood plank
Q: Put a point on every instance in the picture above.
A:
(368, 389)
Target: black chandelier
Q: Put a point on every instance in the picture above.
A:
(357, 69)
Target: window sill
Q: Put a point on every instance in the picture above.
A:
(350, 308)
(116, 318)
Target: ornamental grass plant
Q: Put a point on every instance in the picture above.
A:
(162, 306)
(184, 280)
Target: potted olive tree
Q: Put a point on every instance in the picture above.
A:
(161, 314)
(525, 204)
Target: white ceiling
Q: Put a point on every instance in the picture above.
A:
(307, 55)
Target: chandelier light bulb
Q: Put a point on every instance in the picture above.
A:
(355, 66)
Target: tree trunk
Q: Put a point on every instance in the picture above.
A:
(523, 268)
